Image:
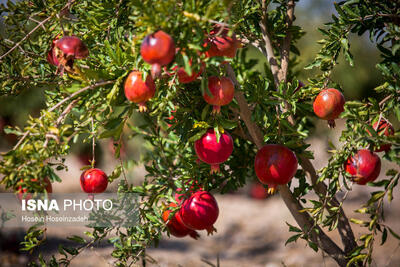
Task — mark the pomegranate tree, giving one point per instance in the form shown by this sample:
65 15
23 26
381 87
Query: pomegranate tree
157 49
328 105
24 192
364 166
184 77
175 225
139 91
213 151
275 165
200 211
222 91
93 181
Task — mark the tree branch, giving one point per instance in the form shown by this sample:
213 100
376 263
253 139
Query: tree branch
273 63
344 228
286 43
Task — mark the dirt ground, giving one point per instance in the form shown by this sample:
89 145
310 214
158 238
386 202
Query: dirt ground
250 232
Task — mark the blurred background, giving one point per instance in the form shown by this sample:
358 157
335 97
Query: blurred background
251 227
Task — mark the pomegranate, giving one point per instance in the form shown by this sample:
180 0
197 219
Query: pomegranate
25 193
364 166
93 181
275 165
386 129
200 211
138 91
69 48
222 90
183 76
157 49
257 191
51 55
221 45
175 225
212 152
328 105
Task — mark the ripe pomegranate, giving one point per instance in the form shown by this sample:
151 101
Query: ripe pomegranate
51 55
183 76
385 128
257 191
25 193
200 211
328 105
212 152
93 181
138 91
69 48
275 165
157 49
175 225
364 166
221 45
222 90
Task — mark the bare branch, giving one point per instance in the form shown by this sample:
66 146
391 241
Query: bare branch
287 42
268 44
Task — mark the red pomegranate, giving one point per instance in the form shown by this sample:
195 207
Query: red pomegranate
51 55
257 191
157 49
200 211
385 128
364 166
275 165
328 105
69 48
212 152
175 225
93 181
221 44
222 90
184 77
138 91
24 193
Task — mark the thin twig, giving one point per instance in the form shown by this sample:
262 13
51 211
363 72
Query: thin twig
99 84
268 44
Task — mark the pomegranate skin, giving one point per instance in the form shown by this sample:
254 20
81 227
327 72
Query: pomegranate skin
72 46
386 129
328 105
176 226
275 165
138 91
183 76
211 152
222 90
93 181
158 49
364 166
200 211
222 45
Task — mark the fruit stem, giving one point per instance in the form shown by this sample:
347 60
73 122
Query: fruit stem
211 230
142 107
216 110
271 189
215 168
331 123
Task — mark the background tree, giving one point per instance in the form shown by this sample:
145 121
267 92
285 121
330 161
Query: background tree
86 100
